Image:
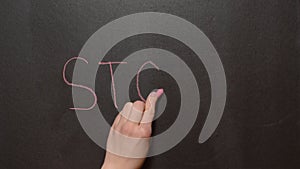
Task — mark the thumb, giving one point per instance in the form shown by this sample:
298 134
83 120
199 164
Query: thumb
150 106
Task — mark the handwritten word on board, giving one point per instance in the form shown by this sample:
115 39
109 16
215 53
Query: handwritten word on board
112 80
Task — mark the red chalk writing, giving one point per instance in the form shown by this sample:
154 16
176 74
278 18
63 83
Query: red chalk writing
112 80
138 76
77 85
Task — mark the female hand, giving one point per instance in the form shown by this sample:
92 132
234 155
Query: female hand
128 140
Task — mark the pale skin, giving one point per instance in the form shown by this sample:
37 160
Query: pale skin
131 129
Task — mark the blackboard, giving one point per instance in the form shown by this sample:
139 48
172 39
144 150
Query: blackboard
257 41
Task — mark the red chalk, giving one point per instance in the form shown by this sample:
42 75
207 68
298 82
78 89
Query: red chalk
159 92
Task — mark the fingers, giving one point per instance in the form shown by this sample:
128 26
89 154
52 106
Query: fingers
132 113
131 131
150 107
139 105
139 112
127 139
152 99
124 114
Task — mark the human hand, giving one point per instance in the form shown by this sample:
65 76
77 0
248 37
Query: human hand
128 140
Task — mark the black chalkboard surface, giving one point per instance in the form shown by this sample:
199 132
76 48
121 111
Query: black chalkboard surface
258 44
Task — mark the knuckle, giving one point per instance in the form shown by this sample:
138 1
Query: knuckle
126 129
146 132
128 104
138 102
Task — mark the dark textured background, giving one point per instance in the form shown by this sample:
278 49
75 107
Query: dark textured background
257 41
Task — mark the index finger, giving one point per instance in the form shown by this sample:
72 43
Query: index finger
150 106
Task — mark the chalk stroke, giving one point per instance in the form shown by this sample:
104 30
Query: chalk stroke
112 81
77 85
138 76
112 78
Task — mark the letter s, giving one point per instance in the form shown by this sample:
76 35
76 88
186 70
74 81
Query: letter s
77 85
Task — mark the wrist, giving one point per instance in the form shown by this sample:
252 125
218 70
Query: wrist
106 167
109 166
